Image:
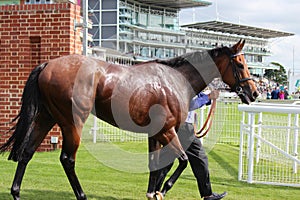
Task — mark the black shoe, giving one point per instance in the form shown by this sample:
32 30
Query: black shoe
216 196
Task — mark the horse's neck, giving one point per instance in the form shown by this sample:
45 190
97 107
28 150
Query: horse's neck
199 70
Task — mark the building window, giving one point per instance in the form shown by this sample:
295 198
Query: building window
109 44
38 1
109 17
109 32
260 59
109 4
156 21
143 18
94 4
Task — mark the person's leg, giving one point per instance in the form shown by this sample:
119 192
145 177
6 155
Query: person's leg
199 164
198 161
197 158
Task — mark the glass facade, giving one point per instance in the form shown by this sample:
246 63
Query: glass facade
131 27
39 1
149 32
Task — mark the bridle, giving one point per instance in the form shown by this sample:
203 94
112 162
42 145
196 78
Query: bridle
236 88
237 85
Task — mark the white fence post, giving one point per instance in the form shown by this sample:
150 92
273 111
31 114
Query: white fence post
258 145
287 148
242 126
251 147
296 142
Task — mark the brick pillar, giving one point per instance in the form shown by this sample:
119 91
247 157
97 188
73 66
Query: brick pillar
30 35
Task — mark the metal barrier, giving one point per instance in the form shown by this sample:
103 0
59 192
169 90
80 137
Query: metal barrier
225 127
269 143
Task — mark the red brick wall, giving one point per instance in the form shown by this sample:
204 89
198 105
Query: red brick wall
30 35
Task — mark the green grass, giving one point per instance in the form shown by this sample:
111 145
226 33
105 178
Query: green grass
45 179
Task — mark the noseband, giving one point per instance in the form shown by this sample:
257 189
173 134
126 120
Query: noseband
237 86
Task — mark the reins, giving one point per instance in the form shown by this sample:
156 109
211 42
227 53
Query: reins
208 121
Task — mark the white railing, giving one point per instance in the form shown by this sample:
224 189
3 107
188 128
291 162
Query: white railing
269 143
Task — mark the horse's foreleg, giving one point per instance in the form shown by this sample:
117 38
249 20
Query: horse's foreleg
175 148
71 140
170 182
162 176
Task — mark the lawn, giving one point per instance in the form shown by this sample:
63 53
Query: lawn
45 179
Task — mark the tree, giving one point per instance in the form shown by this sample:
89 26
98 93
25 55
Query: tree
279 76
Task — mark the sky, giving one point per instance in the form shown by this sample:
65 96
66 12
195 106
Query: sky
280 15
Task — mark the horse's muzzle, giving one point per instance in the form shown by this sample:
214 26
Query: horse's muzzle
248 98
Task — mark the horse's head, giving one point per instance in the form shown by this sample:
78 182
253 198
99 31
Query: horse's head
234 71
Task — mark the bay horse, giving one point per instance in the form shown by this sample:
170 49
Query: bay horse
151 97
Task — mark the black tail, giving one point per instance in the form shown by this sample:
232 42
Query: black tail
29 110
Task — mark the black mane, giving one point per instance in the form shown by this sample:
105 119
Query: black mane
198 56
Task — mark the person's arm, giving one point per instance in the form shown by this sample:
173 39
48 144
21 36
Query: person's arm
203 99
198 101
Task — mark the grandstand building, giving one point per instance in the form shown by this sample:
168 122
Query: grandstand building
141 30
149 29
211 34
144 29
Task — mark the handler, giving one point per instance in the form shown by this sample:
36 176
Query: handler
194 149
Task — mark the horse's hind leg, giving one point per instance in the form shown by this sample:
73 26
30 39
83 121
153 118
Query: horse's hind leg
71 141
42 126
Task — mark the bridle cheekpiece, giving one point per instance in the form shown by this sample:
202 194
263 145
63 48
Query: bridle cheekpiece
237 86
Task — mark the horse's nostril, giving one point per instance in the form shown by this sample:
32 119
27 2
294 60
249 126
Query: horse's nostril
255 94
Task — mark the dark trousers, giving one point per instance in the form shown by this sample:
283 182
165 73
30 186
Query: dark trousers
197 158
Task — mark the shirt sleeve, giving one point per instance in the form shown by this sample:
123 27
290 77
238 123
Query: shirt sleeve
198 101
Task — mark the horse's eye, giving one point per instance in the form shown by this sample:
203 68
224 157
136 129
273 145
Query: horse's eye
240 65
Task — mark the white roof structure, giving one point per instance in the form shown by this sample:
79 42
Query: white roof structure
238 29
176 3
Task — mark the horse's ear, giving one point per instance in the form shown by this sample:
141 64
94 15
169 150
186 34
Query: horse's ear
238 46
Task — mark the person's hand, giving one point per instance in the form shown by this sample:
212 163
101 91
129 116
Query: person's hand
214 94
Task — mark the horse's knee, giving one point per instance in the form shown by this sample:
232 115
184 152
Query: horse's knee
183 160
184 163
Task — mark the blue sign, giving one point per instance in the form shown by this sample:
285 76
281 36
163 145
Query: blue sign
297 84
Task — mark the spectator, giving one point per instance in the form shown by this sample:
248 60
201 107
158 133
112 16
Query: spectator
275 93
286 93
281 95
269 96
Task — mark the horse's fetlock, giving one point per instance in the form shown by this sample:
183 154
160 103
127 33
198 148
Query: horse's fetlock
169 184
15 191
82 196
64 158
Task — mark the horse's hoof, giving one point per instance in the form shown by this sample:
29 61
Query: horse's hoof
159 196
